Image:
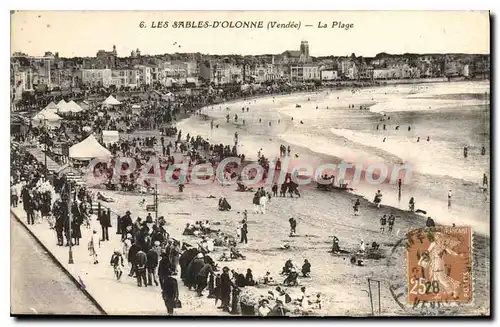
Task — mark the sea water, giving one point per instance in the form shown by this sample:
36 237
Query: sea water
342 124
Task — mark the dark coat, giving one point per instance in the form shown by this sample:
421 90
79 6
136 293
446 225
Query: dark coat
170 288
225 286
193 269
104 219
75 227
163 268
132 252
185 259
141 260
126 221
152 258
206 270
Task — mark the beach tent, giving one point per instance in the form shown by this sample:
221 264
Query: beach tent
89 149
110 137
74 107
46 117
51 106
63 107
111 101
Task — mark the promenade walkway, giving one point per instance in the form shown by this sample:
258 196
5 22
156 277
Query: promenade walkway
116 297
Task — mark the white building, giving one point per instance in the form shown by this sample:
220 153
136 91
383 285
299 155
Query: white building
329 75
144 74
96 77
311 73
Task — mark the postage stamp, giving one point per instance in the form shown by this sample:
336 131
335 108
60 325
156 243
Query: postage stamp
439 265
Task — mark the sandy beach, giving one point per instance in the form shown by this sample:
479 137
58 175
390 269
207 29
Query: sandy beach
320 214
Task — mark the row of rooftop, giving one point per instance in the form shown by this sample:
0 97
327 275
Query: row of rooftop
107 69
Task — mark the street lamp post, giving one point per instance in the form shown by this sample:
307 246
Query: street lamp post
70 259
46 141
45 138
156 202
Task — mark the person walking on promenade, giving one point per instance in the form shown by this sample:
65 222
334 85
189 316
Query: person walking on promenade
152 265
132 258
170 292
93 245
225 289
76 230
105 221
356 207
141 261
117 263
124 222
60 214
13 196
175 253
37 207
28 205
201 278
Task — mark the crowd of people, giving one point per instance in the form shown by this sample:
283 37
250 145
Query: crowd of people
151 255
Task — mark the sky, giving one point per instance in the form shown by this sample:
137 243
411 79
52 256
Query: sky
82 33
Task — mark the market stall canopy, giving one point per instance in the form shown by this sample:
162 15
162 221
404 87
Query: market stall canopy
74 107
63 107
111 101
110 137
51 106
89 149
46 114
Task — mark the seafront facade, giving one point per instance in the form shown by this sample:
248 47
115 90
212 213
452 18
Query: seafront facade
170 72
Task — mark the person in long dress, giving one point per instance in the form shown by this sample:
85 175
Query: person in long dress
434 264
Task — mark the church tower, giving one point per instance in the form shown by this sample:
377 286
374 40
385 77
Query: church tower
304 49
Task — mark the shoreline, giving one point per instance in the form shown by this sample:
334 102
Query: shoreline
190 125
481 252
343 85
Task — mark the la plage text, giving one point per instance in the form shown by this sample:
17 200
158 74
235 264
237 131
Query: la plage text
336 25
